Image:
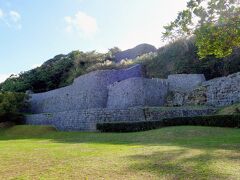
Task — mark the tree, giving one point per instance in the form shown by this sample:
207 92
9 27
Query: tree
214 23
11 106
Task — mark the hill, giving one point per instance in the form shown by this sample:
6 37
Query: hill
174 58
134 52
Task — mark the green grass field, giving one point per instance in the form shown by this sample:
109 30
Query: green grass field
28 152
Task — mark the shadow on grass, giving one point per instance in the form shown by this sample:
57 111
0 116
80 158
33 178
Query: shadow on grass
181 164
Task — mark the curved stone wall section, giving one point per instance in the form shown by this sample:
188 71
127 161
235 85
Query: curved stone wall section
135 92
185 82
87 91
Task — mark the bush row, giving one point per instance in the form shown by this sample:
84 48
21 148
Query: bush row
232 121
16 118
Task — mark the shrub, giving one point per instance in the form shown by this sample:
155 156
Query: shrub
233 109
232 121
11 106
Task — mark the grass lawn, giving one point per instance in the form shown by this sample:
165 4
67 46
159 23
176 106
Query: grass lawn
28 152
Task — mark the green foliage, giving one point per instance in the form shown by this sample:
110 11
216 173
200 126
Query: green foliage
232 121
55 73
181 57
11 106
233 109
215 23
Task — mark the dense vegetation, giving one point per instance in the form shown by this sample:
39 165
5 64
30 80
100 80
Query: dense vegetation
181 57
11 107
214 23
178 57
55 73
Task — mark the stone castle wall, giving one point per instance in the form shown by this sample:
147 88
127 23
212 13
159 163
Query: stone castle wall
223 91
86 120
135 92
123 95
88 91
216 92
111 89
185 82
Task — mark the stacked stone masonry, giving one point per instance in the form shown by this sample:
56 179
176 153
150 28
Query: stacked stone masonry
185 82
88 91
123 95
86 120
217 92
137 92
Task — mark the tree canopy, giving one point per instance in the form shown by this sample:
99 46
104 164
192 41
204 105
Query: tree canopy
214 23
11 106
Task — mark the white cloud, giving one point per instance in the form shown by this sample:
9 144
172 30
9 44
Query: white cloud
3 77
15 16
12 19
81 23
1 13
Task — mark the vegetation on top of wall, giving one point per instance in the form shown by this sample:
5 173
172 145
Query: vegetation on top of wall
181 57
57 72
178 57
230 110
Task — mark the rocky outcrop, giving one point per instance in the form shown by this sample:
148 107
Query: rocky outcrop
134 52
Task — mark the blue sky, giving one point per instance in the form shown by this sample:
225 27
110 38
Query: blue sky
33 31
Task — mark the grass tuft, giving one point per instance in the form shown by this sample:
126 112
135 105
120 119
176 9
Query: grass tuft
230 110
